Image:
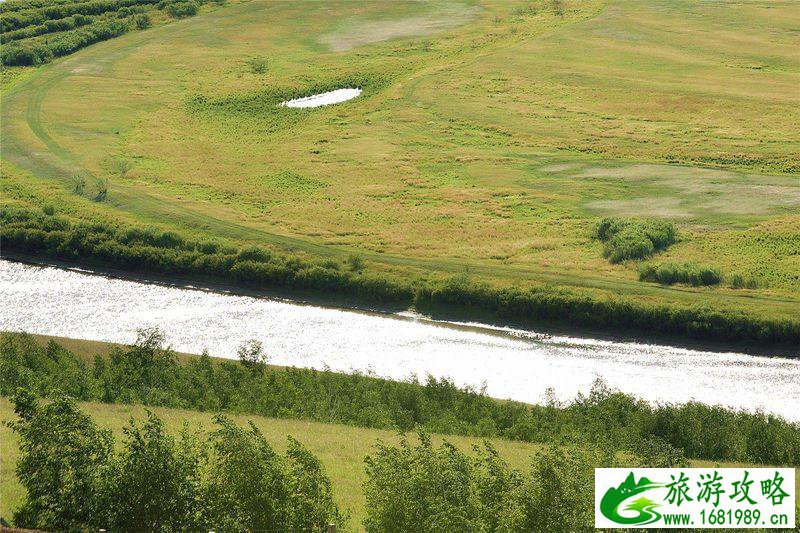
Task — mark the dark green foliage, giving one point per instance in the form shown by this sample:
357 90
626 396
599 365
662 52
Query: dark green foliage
154 483
423 488
545 304
634 238
26 28
142 21
258 65
181 9
671 273
629 243
148 374
233 481
740 282
152 250
256 489
43 370
156 251
49 26
62 454
36 52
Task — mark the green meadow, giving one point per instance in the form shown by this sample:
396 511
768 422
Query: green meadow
490 137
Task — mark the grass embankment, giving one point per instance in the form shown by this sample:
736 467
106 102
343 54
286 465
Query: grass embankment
519 165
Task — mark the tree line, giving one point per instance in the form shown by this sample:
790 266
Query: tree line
147 373
27 38
78 477
152 250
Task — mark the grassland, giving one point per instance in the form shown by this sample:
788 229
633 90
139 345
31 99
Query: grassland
489 139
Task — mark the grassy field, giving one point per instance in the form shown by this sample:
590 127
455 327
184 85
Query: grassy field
489 138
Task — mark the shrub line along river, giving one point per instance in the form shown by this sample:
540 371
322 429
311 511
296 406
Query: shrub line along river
511 363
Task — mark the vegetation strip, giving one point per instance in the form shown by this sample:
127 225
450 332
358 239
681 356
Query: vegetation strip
231 478
148 374
144 249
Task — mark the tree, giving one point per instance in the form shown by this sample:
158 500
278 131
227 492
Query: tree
251 356
102 189
154 483
62 454
78 183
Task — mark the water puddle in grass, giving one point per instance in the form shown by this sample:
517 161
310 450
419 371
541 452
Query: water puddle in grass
328 98
512 363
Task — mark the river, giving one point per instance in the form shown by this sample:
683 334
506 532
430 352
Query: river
510 363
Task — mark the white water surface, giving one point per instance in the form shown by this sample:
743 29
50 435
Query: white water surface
328 98
511 363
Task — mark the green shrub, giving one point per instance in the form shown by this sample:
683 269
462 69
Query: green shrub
154 483
142 21
182 9
671 273
258 65
629 243
634 238
423 488
46 30
232 481
152 250
255 489
62 454
739 281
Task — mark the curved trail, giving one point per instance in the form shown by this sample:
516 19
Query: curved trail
51 160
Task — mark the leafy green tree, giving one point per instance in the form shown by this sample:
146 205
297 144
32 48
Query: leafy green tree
253 488
154 484
252 357
420 488
62 456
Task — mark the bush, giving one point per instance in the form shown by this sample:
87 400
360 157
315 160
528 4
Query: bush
155 251
154 483
182 9
142 21
62 454
689 273
629 243
255 489
258 65
422 488
26 31
634 238
741 282
233 481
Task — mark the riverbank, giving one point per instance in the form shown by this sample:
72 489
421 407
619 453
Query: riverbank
525 364
145 250
464 318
